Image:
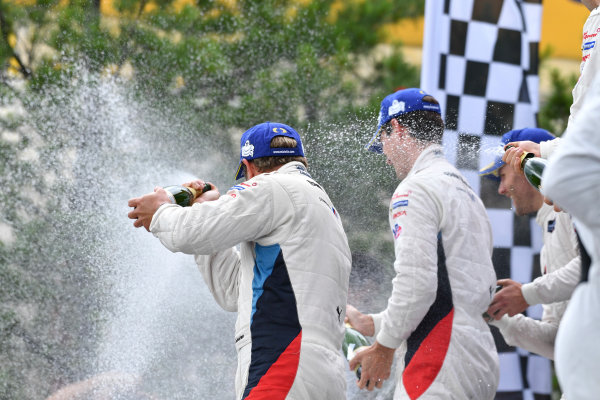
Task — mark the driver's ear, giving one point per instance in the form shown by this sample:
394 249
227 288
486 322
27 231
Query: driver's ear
250 168
396 127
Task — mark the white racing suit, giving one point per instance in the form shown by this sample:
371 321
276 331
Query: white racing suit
560 248
590 62
560 262
572 180
444 282
548 147
288 282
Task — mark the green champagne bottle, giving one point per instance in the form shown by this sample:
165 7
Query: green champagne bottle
353 342
183 195
532 167
487 317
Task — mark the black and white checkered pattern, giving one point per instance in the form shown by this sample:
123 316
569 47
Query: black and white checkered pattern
480 61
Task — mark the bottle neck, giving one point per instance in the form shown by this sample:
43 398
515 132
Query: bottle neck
194 192
524 158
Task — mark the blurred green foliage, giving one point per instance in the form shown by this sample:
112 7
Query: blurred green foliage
555 109
219 65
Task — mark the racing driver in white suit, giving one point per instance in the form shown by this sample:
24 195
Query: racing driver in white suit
572 180
444 274
590 61
289 280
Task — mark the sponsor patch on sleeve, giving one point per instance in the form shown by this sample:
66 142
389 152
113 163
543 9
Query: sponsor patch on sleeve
243 186
400 203
551 226
398 214
401 195
400 199
397 231
239 187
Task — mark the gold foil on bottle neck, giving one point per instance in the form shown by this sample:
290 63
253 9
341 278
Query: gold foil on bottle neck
194 192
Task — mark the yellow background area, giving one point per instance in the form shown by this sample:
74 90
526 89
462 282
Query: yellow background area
562 27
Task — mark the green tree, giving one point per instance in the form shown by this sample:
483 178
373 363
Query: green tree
555 110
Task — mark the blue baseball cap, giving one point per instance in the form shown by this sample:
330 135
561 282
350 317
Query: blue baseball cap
256 143
398 103
536 135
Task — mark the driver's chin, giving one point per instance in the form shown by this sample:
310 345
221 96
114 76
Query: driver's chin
518 208
401 174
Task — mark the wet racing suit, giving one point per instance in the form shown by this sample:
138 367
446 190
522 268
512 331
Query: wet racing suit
288 281
559 250
444 282
571 180
590 62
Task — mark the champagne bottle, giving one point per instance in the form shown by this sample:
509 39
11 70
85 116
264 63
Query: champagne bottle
183 195
533 170
532 167
353 342
487 317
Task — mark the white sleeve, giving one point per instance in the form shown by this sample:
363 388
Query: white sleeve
414 287
548 147
221 275
585 81
377 318
240 215
210 231
572 177
530 334
555 286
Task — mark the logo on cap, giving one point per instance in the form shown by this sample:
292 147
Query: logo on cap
396 107
279 130
248 149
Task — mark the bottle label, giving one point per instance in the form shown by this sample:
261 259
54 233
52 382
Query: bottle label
193 192
171 197
353 349
524 157
350 353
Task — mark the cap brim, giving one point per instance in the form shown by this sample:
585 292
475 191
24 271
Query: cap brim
240 172
374 144
492 170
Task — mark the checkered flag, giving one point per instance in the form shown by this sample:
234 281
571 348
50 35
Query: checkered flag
480 61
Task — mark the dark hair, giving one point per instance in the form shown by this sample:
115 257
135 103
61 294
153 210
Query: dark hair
425 126
265 164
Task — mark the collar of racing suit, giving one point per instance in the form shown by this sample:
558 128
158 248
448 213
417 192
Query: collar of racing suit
292 166
543 213
431 153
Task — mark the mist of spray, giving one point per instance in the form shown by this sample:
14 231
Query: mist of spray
94 146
